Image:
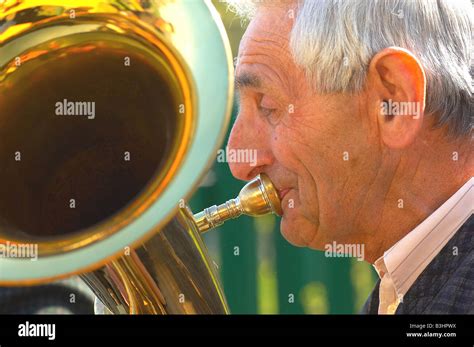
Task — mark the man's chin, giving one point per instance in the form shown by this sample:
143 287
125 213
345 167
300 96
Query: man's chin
293 232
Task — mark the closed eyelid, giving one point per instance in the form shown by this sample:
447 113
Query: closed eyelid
268 102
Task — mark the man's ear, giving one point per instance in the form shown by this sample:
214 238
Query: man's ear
398 90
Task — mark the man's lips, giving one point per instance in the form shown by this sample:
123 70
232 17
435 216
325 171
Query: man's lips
282 193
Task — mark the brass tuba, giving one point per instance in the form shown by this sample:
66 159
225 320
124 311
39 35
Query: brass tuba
111 111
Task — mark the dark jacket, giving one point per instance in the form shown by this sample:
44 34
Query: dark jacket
447 283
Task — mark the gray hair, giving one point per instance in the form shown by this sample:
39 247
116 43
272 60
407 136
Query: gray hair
334 41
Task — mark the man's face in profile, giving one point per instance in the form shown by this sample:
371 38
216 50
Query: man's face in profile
319 150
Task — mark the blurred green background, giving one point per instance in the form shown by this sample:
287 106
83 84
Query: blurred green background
260 271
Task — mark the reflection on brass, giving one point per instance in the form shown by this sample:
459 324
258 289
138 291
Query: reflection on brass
102 163
76 176
169 273
256 198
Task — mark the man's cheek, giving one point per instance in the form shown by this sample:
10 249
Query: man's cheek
304 200
290 201
292 205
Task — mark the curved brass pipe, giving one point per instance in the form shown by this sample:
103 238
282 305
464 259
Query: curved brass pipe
142 283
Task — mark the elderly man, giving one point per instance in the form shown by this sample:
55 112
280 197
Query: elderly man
361 114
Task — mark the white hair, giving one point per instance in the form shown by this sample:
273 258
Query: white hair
334 41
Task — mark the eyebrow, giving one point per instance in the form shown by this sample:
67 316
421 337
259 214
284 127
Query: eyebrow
247 79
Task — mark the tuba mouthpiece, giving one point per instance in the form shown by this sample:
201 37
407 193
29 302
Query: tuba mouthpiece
257 197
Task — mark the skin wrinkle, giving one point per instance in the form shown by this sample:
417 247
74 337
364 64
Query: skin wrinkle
266 80
360 205
308 171
278 44
303 240
292 127
416 169
265 77
270 52
390 158
384 196
280 54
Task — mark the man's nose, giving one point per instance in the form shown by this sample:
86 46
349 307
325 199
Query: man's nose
248 151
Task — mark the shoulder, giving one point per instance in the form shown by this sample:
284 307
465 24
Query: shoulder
447 283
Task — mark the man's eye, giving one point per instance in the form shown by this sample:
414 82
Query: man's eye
266 106
266 112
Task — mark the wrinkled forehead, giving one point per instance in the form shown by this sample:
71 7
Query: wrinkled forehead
265 63
269 29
